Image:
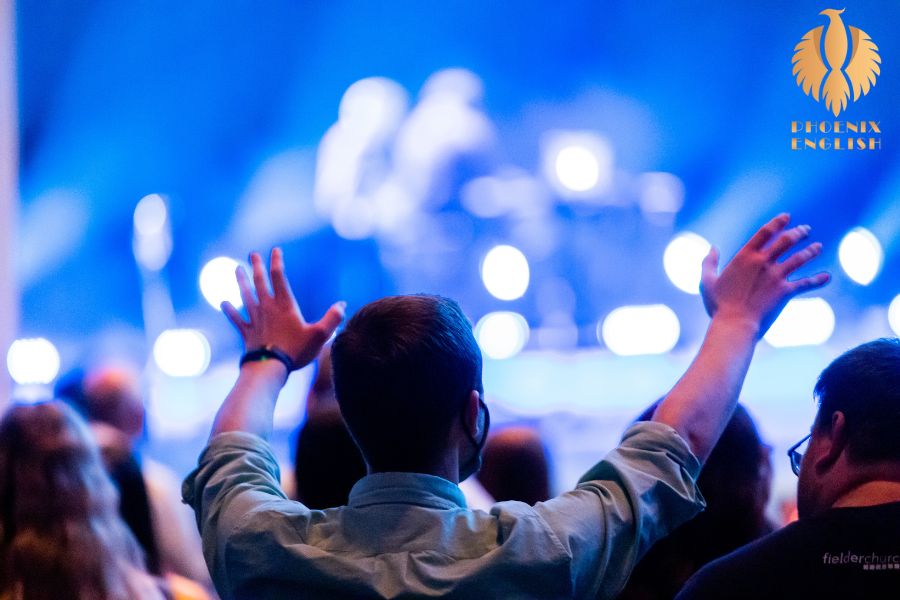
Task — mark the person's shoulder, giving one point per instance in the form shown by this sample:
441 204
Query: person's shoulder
749 569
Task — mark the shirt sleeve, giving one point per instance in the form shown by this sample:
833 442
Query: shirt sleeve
237 475
638 493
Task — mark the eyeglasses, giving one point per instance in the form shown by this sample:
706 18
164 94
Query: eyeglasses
795 453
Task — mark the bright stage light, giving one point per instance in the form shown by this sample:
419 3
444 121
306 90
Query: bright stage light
150 215
152 243
32 361
578 164
577 168
633 330
860 255
894 314
504 271
803 322
501 334
683 261
218 282
181 352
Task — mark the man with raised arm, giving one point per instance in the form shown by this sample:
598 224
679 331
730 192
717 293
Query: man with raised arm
407 374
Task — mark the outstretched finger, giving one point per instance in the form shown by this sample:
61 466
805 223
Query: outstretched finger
768 231
234 316
787 240
259 276
280 284
800 258
246 291
807 284
335 315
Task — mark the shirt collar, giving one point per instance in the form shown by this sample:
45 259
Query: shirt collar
417 489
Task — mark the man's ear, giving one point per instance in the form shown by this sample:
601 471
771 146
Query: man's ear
471 412
833 443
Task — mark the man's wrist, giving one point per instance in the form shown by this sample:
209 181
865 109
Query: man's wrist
269 352
740 323
271 370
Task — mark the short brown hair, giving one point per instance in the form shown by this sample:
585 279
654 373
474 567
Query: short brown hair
403 368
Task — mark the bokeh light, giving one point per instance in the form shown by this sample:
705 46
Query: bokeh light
577 168
803 322
634 330
181 352
32 361
218 282
860 255
683 260
505 272
150 215
578 164
894 314
501 334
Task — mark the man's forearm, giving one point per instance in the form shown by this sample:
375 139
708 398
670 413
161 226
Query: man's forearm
701 403
250 405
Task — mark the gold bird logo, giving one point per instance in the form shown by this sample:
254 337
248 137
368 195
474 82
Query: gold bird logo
851 61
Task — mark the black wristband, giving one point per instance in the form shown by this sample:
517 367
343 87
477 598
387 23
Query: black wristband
266 353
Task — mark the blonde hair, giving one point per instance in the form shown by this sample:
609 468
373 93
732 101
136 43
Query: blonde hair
60 532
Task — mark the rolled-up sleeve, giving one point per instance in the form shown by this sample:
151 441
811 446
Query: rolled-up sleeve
237 474
637 494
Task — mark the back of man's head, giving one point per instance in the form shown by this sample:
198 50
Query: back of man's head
403 369
864 384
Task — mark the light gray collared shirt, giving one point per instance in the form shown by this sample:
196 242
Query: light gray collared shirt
409 535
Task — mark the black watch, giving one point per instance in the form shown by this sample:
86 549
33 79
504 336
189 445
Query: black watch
269 352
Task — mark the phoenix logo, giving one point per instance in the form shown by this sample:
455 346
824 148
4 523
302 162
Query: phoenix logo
850 61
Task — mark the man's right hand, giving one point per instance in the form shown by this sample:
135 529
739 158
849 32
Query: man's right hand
743 300
754 286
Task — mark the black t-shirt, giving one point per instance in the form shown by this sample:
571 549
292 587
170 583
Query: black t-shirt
842 553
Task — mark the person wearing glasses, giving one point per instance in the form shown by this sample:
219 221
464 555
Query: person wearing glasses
407 376
846 543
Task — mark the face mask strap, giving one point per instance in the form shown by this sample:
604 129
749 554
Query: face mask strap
479 444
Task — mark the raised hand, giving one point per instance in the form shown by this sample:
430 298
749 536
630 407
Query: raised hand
275 318
754 285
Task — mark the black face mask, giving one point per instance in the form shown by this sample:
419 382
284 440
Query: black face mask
472 465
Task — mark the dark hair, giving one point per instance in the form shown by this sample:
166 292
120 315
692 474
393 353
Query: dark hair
515 466
864 384
326 463
735 483
403 368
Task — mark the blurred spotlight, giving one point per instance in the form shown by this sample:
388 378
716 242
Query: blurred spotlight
181 352
577 168
353 154
150 215
578 164
504 271
683 260
509 191
461 83
660 195
372 108
633 330
32 361
861 255
894 314
447 125
152 242
803 322
501 334
218 282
